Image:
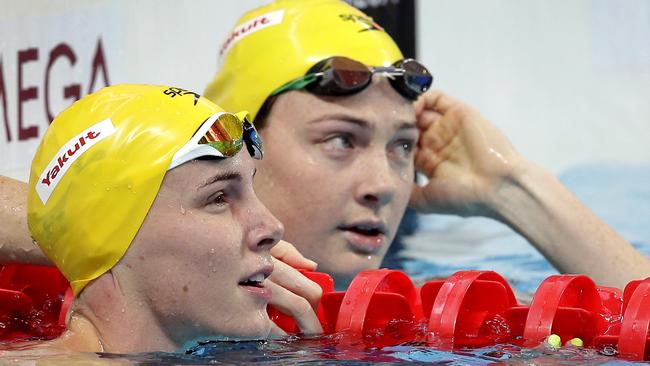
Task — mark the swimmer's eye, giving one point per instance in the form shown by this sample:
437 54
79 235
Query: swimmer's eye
403 149
339 142
217 199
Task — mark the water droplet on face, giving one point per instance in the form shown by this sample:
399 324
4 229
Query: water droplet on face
129 187
212 250
182 210
123 310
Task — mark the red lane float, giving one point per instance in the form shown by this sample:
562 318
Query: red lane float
569 306
34 301
631 336
478 308
468 309
383 307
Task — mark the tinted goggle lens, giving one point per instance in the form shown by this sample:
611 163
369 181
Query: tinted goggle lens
253 140
415 78
341 75
348 74
226 135
221 135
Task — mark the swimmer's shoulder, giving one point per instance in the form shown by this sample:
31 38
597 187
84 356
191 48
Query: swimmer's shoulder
80 338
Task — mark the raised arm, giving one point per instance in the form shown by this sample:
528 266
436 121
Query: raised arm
15 242
474 170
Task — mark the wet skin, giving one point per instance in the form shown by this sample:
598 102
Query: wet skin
188 269
338 173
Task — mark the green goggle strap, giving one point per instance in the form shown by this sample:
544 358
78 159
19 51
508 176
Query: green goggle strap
297 84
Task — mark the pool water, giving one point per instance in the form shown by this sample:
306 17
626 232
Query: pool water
442 246
295 351
619 195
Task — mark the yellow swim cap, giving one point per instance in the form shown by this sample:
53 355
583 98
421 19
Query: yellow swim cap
98 169
279 42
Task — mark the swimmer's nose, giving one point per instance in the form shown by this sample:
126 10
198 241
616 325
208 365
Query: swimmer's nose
267 230
377 189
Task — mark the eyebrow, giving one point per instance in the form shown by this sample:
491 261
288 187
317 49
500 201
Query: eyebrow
407 126
219 178
360 122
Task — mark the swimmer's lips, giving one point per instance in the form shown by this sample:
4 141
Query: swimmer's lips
254 284
365 237
257 279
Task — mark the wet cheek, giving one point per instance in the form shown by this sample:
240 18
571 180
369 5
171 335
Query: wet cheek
407 175
222 260
293 189
404 176
208 245
404 186
319 201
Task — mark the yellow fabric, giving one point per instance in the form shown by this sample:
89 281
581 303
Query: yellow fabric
262 53
88 222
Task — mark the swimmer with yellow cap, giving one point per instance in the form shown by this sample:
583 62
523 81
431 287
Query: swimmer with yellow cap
332 96
142 196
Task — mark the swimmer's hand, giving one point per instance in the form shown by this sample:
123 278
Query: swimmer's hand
465 158
474 170
293 293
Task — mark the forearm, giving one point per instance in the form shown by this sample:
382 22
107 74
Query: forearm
535 204
15 241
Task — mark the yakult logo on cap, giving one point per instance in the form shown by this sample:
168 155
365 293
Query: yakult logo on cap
67 155
250 27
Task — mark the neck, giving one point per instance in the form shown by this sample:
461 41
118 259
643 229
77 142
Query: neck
105 319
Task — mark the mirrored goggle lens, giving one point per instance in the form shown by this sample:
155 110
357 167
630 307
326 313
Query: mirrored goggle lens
339 75
253 141
350 74
225 135
416 76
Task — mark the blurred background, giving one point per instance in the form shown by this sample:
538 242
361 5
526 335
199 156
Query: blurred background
567 81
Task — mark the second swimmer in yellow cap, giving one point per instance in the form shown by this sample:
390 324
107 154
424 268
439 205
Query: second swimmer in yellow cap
332 95
143 197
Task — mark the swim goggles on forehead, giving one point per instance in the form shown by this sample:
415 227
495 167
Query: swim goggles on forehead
222 135
341 76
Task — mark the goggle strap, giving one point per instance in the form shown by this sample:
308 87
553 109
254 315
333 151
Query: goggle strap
297 84
196 152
